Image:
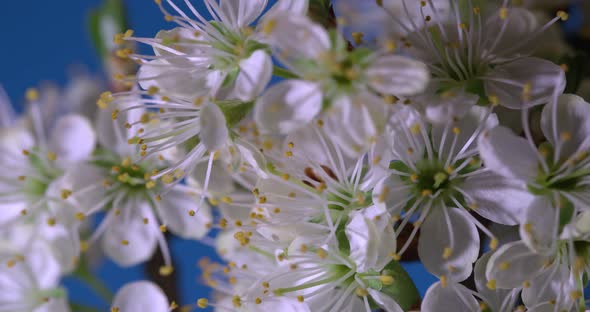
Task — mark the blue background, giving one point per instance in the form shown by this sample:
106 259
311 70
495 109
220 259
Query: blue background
41 40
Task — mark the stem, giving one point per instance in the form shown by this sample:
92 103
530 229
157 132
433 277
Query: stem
283 73
97 286
82 308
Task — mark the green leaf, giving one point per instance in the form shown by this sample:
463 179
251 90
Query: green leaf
403 290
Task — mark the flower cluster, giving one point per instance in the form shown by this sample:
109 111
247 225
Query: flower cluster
315 153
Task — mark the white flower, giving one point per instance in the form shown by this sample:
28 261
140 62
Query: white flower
139 208
37 164
469 49
556 171
140 296
202 57
435 175
312 184
328 74
29 283
328 279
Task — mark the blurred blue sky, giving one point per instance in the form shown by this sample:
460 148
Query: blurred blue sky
41 41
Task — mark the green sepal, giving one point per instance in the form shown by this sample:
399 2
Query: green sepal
403 290
234 111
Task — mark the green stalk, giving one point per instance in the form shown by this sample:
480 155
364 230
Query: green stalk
283 73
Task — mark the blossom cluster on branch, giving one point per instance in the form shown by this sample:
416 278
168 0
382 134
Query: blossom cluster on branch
301 139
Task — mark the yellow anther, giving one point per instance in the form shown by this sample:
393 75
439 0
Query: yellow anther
236 301
361 292
528 227
322 253
493 243
395 256
503 266
84 246
503 13
565 136
358 37
576 295
443 281
191 213
456 130
526 284
166 270
65 193
51 156
153 90
386 279
426 192
168 18
563 15
447 253
269 26
491 284
262 199
415 129
258 300
51 221
80 216
32 94
300 298
115 114
124 242
383 195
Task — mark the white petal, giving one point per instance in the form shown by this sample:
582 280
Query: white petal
493 298
398 75
7 115
371 238
468 127
288 106
281 304
508 155
141 296
240 13
436 235
391 192
571 115
129 227
295 7
542 77
255 73
453 297
519 23
13 140
220 180
113 134
443 110
513 264
54 305
554 283
384 301
496 198
214 133
184 82
174 210
355 121
538 229
73 138
297 37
